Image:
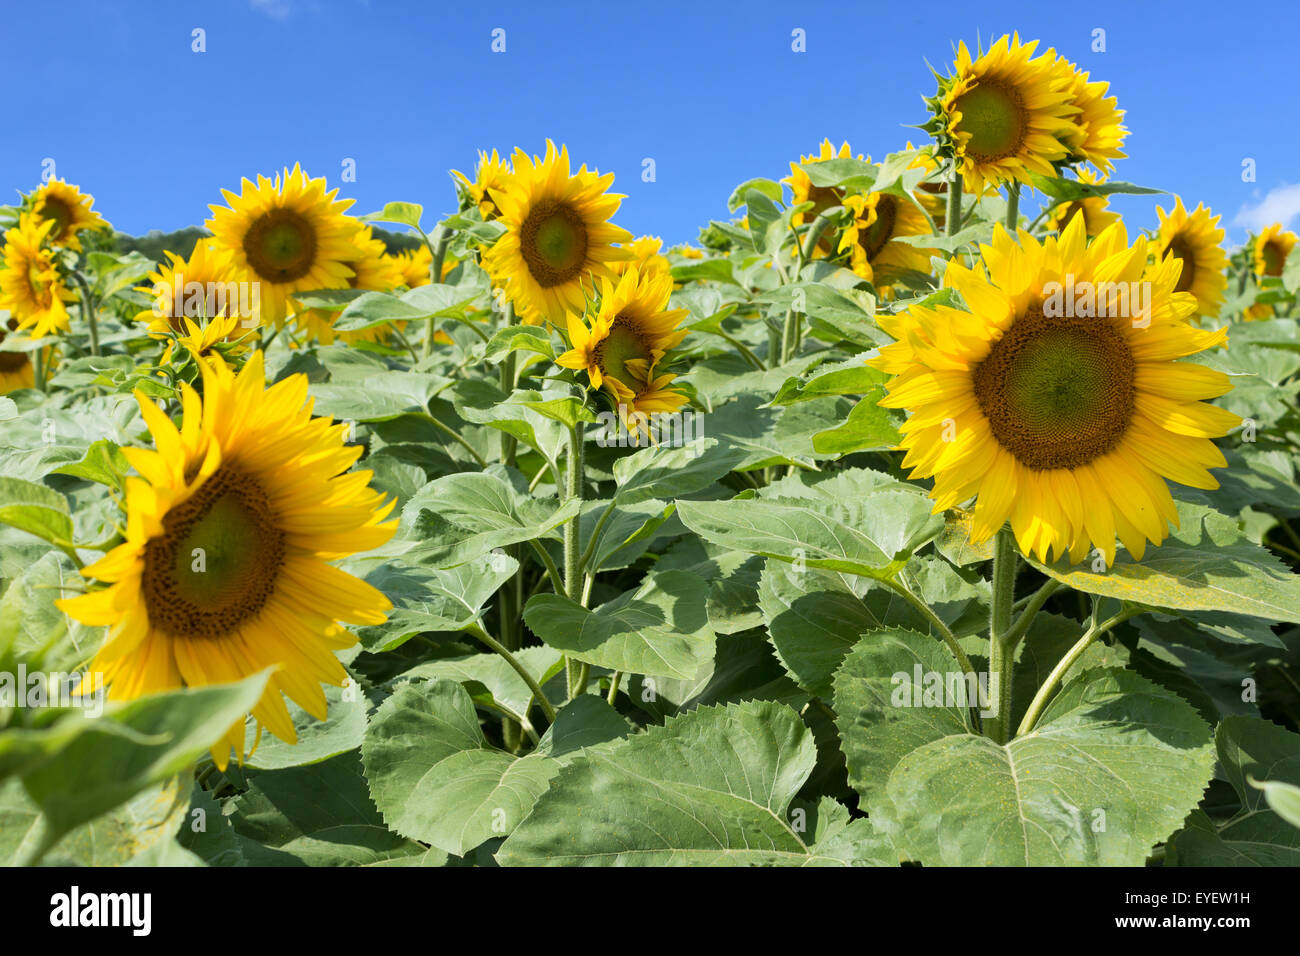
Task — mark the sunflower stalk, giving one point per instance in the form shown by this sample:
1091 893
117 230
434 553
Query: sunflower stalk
793 330
952 218
1002 649
439 252
574 670
1013 207
88 309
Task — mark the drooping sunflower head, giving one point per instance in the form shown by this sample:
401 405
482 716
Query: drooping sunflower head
822 197
1096 215
1097 131
287 235
229 529
1272 247
69 209
1194 239
645 257
491 174
871 240
1003 114
1055 399
31 286
16 369
558 235
630 332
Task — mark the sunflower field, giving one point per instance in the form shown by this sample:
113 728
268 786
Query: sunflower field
923 512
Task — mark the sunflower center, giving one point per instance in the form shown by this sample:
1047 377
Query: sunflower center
281 246
215 564
874 237
1274 259
995 119
57 210
1183 252
1057 392
553 242
623 344
11 361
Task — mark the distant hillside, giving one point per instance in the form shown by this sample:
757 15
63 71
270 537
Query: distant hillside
155 242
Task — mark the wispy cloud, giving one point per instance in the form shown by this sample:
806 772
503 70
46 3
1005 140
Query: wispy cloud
1280 204
275 9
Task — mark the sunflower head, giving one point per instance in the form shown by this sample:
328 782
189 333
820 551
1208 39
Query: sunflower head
871 239
645 257
1272 247
286 235
1096 215
1097 132
631 331
822 197
201 288
1055 398
645 397
229 528
1194 240
558 237
16 370
69 209
490 175
1002 114
31 285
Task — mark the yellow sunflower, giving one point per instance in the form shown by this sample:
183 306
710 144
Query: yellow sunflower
201 287
1097 132
879 219
645 257
643 398
1271 250
1003 114
557 235
631 331
30 285
822 197
69 209
689 252
416 263
1064 420
1194 239
372 269
16 369
288 235
1096 215
229 530
490 175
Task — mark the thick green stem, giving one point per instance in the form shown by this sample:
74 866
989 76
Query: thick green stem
572 540
1002 652
439 252
1013 207
793 330
88 311
519 669
1033 605
509 444
38 368
952 219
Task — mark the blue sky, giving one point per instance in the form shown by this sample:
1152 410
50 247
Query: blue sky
112 92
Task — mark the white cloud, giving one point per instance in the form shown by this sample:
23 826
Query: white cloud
275 9
1281 204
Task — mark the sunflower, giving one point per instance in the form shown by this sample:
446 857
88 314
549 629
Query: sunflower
689 252
1096 215
1193 239
1064 420
645 257
287 235
223 572
630 333
1271 250
875 254
416 264
822 197
202 339
16 369
491 174
645 397
1003 115
1097 132
30 285
557 235
372 269
69 209
201 287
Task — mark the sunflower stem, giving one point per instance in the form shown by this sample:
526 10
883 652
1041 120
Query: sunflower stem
519 669
38 368
439 252
88 311
572 556
1002 650
455 435
1013 207
509 366
952 218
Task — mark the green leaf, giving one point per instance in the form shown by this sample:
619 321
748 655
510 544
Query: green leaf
318 740
317 815
35 509
845 378
706 270
670 472
1206 565
490 680
103 463
404 213
96 772
518 338
433 599
766 227
1113 767
436 779
844 173
659 629
868 428
710 788
769 188
1255 755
